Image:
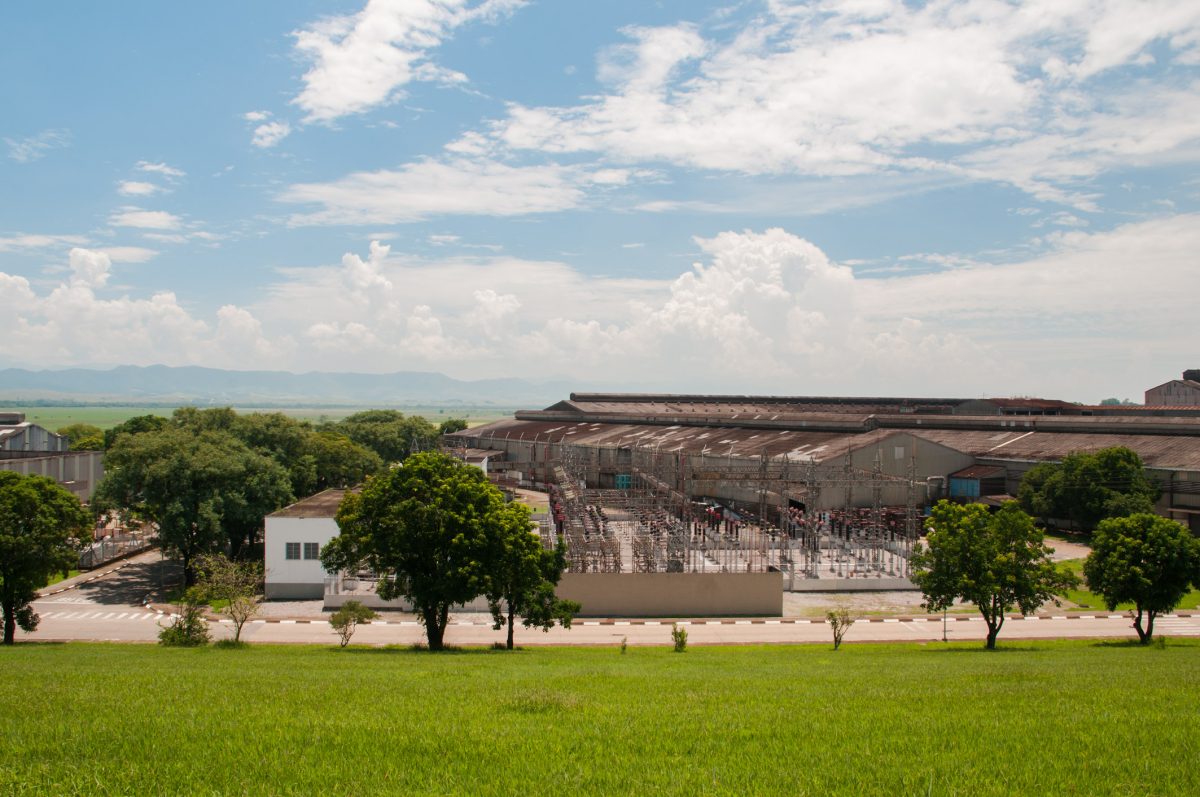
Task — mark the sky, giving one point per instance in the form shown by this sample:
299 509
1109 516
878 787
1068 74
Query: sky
851 197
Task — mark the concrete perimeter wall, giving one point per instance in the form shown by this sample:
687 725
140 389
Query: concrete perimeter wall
674 594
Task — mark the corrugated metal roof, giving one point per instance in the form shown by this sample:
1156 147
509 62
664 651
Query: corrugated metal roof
1180 452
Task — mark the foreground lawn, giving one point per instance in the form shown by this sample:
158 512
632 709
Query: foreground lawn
1047 718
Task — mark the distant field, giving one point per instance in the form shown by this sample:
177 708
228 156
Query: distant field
1047 718
106 417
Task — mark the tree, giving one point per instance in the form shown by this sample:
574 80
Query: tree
522 574
388 433
237 582
135 425
996 561
83 436
348 618
1145 560
42 528
201 490
451 425
339 461
423 529
1086 488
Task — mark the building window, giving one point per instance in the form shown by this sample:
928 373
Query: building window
312 550
291 550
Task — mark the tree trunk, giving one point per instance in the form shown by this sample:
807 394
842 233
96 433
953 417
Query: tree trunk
510 626
435 627
994 623
1143 634
10 624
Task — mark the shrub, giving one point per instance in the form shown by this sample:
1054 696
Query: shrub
347 618
840 621
679 637
188 629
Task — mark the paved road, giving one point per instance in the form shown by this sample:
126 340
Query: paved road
109 609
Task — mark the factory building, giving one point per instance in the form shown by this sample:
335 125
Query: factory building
722 440
29 449
1183 392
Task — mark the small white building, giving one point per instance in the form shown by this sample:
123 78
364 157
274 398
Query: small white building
293 539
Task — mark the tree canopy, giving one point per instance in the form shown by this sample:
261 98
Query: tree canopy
1085 488
995 561
42 528
522 574
437 533
83 436
389 433
1145 560
203 491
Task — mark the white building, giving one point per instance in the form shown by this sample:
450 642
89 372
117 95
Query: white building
293 539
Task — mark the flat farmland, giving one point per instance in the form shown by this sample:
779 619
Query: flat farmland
108 416
1045 718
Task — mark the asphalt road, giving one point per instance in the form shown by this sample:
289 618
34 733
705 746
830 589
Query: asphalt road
109 608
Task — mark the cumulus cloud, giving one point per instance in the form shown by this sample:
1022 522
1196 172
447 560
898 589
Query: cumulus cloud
363 60
75 323
269 134
761 311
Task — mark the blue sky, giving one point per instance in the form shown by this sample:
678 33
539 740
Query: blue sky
851 197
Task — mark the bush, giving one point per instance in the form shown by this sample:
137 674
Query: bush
188 629
679 637
840 621
347 618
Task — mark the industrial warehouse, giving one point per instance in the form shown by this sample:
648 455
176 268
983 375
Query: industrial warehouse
820 493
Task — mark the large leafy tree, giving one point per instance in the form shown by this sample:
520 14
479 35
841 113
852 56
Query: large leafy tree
1145 560
83 436
522 574
388 433
201 490
1085 488
42 527
424 529
135 425
995 561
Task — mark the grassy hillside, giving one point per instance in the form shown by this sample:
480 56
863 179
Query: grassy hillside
1039 719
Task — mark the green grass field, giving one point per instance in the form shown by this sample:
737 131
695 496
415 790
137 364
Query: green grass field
1079 718
106 417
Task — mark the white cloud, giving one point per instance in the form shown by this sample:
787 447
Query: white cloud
256 116
160 168
20 242
270 133
432 188
72 324
145 219
761 312
129 254
137 188
31 148
364 60
979 90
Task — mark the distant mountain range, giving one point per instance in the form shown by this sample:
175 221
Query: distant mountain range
165 384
